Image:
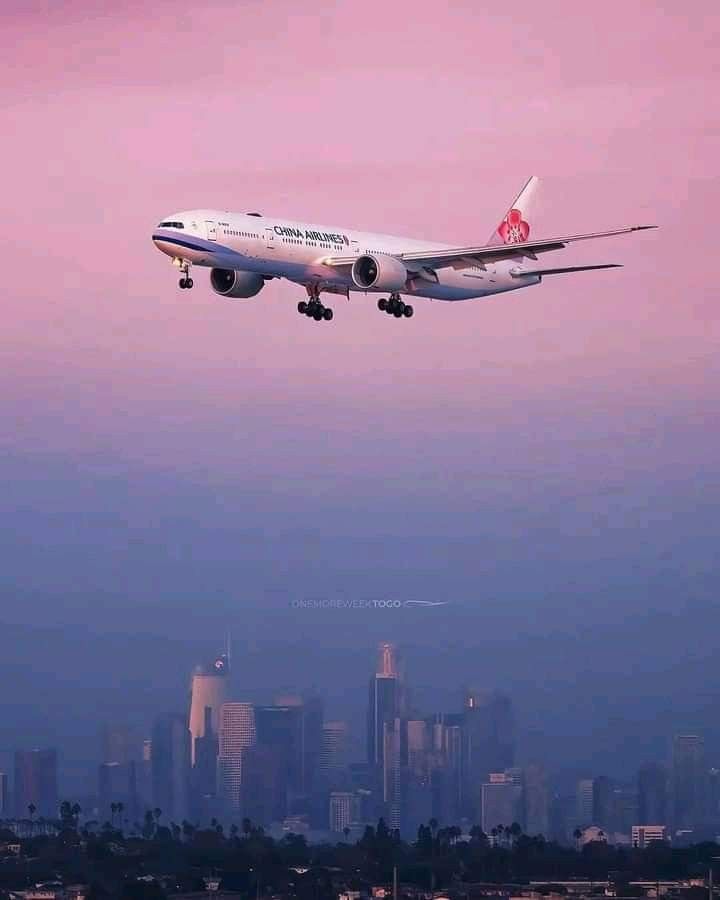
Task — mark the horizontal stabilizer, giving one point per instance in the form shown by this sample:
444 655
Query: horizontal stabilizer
564 269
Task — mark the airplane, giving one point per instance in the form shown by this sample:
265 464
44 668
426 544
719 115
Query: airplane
245 250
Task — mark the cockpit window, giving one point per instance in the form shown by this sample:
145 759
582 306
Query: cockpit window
171 225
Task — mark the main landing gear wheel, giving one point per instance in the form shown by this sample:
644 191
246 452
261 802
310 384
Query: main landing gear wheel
315 310
394 306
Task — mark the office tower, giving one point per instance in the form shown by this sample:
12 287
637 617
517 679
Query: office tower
584 803
445 777
341 810
4 797
392 772
171 766
603 805
624 810
501 802
536 801
36 782
419 747
652 794
689 781
264 787
119 743
313 715
333 750
278 730
118 771
385 703
204 775
144 780
117 783
208 691
237 733
488 743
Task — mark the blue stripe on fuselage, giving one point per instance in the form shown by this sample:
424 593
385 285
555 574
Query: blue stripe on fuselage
187 244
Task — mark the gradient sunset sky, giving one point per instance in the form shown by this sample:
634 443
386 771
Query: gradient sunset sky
174 462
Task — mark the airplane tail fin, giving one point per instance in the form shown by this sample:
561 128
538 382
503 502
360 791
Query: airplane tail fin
516 224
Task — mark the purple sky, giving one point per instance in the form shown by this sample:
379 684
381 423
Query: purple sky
519 453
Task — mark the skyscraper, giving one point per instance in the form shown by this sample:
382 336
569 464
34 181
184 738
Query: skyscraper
171 765
208 691
237 733
652 782
536 801
488 743
36 782
118 771
584 803
333 750
689 781
384 702
501 802
341 810
4 801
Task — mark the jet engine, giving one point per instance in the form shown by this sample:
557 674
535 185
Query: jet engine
379 272
235 283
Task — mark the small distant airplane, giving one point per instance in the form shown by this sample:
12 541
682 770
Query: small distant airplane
244 250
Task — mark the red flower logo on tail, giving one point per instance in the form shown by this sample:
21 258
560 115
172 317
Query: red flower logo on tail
514 229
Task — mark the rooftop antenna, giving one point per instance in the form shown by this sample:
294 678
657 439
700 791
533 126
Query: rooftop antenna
227 647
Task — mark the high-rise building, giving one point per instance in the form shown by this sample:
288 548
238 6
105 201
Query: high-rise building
334 749
501 802
237 734
688 781
4 797
264 788
204 776
385 703
117 783
445 777
119 743
604 803
208 691
652 783
584 803
536 801
36 782
171 766
488 743
341 810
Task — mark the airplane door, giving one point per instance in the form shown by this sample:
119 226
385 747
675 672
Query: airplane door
269 238
211 229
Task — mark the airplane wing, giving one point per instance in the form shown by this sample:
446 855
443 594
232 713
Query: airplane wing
564 270
463 257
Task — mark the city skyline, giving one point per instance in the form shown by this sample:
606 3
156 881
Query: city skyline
285 761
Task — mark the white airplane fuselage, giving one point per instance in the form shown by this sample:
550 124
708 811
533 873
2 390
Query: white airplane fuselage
297 251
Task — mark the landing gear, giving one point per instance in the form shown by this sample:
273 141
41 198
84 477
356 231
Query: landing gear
394 306
184 266
313 308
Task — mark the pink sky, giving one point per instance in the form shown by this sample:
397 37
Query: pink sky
394 117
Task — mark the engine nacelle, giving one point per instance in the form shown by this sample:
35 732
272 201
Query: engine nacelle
235 283
379 272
